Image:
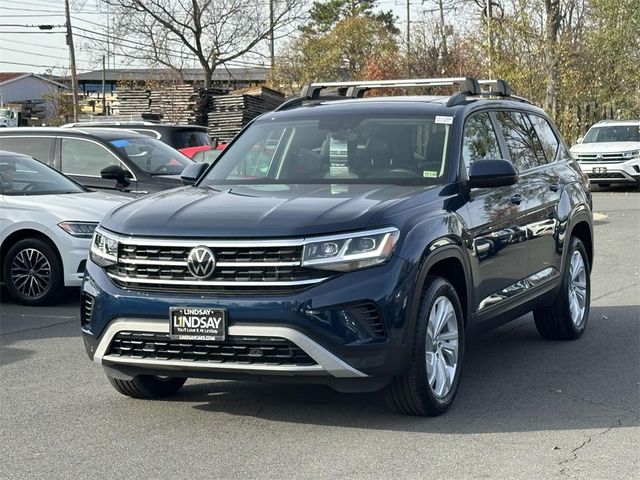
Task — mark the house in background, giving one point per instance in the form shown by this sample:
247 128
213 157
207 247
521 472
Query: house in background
36 97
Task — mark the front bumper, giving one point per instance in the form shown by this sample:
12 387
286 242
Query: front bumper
612 172
335 346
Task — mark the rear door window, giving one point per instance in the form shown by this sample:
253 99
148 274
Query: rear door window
479 141
547 138
37 147
82 157
522 142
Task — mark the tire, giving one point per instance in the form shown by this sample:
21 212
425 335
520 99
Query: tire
413 393
33 272
147 386
561 320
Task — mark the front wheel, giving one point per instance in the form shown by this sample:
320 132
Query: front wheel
33 273
147 386
566 318
431 384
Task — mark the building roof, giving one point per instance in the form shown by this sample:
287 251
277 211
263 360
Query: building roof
8 77
221 74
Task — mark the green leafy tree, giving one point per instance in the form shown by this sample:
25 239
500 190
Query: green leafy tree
325 16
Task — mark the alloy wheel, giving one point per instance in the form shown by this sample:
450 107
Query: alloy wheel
31 273
442 347
577 288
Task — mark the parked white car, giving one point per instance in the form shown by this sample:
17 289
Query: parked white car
610 153
46 225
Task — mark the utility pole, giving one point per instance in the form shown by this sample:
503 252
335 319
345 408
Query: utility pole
409 38
104 98
489 37
72 57
272 40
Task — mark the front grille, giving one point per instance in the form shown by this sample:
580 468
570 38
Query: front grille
368 314
596 157
235 349
86 309
606 175
253 268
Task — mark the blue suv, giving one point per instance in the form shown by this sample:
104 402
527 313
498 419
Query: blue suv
350 241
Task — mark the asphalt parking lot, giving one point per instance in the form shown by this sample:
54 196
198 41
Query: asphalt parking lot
527 408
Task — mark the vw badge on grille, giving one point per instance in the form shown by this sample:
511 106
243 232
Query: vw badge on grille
599 156
201 262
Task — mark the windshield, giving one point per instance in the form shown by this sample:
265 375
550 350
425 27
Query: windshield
613 133
190 138
347 149
26 176
151 155
5 113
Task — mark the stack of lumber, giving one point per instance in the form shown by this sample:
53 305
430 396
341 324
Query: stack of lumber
229 113
132 102
174 103
203 102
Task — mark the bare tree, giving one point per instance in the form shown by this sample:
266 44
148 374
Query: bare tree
210 33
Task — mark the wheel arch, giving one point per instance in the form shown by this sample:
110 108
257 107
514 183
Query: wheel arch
449 262
582 230
23 234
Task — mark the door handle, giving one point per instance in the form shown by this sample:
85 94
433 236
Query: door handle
554 187
517 198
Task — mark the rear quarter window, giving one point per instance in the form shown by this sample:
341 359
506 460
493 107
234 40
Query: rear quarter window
37 147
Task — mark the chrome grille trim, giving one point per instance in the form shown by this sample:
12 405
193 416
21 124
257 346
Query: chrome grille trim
152 281
175 263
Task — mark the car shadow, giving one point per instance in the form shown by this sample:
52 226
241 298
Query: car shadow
513 381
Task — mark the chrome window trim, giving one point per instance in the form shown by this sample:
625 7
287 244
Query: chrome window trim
327 362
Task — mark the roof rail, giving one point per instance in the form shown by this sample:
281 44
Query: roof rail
356 89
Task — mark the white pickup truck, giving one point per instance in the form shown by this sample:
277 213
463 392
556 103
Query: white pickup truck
8 117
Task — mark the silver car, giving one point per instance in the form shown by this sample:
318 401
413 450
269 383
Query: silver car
46 224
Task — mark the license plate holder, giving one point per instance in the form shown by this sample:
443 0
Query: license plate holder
600 170
198 323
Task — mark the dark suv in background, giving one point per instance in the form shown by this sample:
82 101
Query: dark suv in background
114 160
355 242
187 139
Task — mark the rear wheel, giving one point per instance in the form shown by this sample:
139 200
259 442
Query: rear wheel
431 384
147 386
33 273
567 317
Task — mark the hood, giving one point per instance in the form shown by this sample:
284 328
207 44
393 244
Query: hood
605 147
86 207
257 210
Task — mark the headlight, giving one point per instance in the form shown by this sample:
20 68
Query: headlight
79 229
104 249
350 251
628 155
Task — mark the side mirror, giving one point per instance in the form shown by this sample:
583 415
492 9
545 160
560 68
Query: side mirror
492 173
192 173
579 140
115 172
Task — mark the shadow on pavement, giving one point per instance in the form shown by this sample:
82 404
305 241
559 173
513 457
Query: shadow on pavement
513 381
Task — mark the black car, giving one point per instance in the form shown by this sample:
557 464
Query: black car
187 139
355 242
101 158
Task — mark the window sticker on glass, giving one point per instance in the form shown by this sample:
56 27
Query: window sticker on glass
429 174
338 157
119 143
444 120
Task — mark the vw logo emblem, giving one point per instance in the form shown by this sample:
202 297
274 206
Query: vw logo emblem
599 156
201 262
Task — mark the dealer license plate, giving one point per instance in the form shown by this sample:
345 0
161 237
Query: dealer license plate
197 323
600 170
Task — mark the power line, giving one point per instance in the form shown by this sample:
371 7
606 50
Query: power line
38 65
46 55
39 45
